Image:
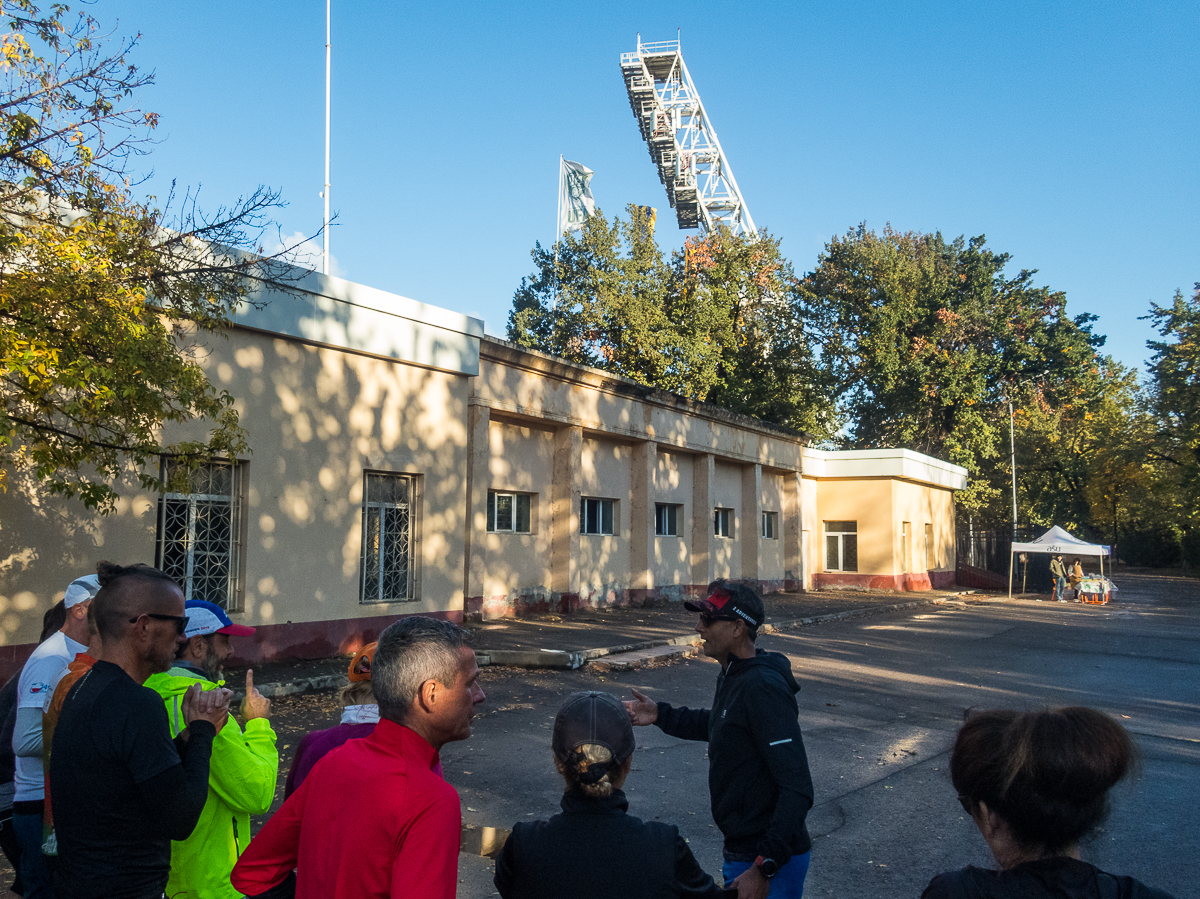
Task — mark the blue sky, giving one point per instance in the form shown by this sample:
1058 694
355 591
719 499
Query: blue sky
1069 134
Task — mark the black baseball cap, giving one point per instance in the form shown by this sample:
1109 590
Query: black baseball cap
731 602
596 719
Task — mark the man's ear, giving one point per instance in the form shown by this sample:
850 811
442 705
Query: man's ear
427 695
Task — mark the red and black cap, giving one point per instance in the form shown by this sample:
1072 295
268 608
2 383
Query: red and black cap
731 602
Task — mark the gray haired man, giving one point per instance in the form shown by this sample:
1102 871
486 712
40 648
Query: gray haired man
374 818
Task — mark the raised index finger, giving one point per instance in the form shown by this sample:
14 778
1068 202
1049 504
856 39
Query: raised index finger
249 681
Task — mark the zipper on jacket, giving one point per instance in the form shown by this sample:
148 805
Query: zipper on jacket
237 843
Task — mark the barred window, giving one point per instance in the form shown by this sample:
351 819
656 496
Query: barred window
387 538
198 539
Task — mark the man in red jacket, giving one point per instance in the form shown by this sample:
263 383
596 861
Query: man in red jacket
374 820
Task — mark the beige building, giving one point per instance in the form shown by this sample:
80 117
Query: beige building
404 463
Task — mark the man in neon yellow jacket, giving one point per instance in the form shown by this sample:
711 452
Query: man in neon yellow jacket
244 766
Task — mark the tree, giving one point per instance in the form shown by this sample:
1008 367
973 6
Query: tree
925 340
104 298
718 323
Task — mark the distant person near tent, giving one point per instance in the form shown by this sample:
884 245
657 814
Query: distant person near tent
1060 577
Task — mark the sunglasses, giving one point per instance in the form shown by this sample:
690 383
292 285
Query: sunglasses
707 620
180 620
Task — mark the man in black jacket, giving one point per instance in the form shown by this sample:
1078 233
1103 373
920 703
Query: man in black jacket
758 777
122 789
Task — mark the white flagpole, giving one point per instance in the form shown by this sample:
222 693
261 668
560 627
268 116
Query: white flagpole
557 225
558 209
325 192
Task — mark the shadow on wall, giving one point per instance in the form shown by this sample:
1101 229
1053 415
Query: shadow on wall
318 418
46 542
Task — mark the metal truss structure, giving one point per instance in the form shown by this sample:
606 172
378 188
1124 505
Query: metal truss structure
681 139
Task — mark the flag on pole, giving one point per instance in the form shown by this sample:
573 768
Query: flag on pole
575 200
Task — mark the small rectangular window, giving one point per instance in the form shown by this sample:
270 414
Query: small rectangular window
769 525
723 522
508 513
841 546
666 520
596 516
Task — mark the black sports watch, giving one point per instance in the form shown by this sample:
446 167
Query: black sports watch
768 866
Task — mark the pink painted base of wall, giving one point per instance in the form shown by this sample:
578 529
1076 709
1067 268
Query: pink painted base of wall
273 642
541 602
315 639
924 580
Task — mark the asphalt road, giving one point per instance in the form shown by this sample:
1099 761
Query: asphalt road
880 702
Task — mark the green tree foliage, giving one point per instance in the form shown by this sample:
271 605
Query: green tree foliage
1175 393
104 299
925 340
717 323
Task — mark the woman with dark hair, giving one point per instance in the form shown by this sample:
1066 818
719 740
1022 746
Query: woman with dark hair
1035 784
594 850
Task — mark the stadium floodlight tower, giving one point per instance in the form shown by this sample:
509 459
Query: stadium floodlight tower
682 141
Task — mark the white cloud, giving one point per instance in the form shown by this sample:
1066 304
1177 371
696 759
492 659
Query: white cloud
304 252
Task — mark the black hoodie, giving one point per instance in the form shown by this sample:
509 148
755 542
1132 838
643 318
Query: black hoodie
758 775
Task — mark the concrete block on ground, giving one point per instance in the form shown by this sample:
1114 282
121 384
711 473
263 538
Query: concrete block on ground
530 658
624 661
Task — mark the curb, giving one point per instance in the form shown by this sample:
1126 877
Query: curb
557 659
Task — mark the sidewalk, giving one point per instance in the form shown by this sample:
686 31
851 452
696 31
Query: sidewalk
570 641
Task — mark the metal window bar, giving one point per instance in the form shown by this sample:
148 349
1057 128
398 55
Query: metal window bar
199 538
387 524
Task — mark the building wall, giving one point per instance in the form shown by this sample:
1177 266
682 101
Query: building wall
317 418
881 507
604 564
727 494
672 564
771 551
612 439
333 385
519 457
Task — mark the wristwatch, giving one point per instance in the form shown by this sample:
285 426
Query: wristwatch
768 866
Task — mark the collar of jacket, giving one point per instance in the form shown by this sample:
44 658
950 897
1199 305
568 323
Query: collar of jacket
574 802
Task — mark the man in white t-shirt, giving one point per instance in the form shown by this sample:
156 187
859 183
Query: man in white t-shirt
34 692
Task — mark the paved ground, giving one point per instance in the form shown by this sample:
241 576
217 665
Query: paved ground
881 700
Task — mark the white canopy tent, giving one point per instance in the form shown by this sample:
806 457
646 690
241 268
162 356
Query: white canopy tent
1054 542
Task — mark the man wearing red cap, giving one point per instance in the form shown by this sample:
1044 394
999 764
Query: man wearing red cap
244 766
758 776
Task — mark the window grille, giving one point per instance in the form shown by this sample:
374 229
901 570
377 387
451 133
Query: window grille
387 539
198 535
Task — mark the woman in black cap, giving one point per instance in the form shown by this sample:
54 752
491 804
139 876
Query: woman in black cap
594 849
1035 784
